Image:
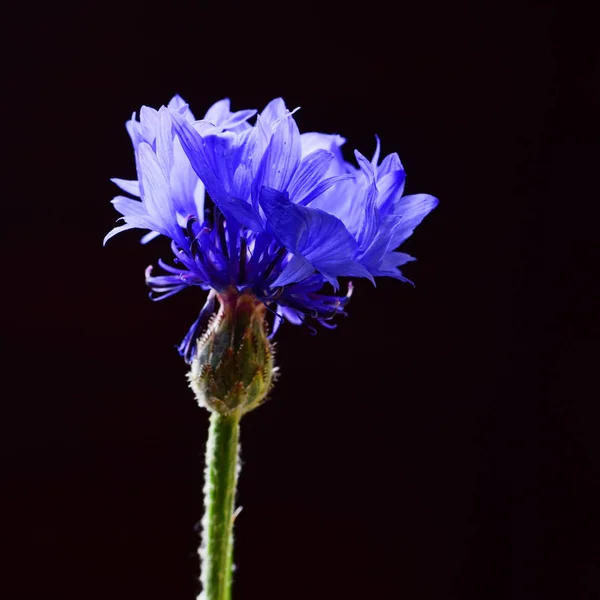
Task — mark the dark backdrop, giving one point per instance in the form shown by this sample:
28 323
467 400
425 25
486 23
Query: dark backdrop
442 443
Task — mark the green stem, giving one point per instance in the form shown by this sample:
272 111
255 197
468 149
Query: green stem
219 495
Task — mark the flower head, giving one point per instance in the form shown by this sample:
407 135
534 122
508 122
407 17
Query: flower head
263 210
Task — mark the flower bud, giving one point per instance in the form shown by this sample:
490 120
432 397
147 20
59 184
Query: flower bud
233 369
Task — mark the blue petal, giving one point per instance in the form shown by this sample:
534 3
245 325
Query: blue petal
276 322
243 213
391 188
311 170
273 111
195 148
149 237
249 150
312 141
134 129
389 164
220 153
164 140
316 235
156 190
296 270
322 187
413 210
292 315
370 220
131 187
365 166
280 160
397 259
218 112
116 230
129 207
179 105
372 255
132 222
198 151
376 154
390 182
149 122
188 346
389 265
187 190
237 118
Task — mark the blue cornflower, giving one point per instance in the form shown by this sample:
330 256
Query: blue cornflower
263 209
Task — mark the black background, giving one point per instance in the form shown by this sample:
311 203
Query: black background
442 443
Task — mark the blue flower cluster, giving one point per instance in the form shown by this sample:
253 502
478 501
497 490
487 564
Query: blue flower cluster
264 209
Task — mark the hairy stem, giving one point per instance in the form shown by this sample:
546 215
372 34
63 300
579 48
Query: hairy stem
219 495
